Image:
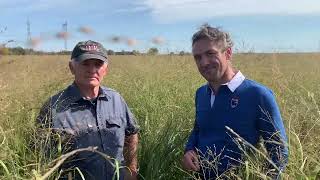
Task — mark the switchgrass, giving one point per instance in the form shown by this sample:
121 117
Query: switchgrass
160 92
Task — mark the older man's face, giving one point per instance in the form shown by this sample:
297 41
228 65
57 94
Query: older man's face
89 73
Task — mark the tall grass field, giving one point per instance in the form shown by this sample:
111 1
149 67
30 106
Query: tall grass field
160 92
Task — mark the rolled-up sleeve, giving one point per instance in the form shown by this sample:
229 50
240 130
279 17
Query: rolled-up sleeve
132 126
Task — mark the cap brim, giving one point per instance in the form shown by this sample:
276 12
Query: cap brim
84 57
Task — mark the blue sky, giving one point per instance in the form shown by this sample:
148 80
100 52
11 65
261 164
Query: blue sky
261 26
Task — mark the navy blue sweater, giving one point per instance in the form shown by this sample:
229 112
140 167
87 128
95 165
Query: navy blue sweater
250 111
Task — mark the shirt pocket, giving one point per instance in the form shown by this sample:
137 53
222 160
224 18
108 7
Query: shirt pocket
114 132
113 122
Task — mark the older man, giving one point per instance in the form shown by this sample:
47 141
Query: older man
89 114
231 111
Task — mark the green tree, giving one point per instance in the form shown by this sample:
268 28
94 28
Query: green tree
153 51
135 52
110 52
17 51
182 53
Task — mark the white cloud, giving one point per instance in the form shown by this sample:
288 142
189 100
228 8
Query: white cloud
180 10
35 5
71 6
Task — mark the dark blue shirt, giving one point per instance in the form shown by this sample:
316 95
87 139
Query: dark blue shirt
103 122
250 111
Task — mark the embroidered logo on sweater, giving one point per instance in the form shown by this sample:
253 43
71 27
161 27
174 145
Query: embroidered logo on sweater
234 102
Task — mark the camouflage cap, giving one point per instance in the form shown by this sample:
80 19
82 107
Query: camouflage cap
89 50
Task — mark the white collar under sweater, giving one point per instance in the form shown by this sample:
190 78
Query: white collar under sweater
233 84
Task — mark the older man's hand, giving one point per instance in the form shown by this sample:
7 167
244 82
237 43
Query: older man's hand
190 161
130 175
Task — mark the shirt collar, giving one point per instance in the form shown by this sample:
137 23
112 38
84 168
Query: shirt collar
74 93
103 92
233 84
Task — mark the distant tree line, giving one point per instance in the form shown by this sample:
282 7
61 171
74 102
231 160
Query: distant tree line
25 51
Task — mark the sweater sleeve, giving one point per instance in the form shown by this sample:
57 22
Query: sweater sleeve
272 131
194 136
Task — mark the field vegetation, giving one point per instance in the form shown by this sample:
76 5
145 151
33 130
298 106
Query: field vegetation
160 91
